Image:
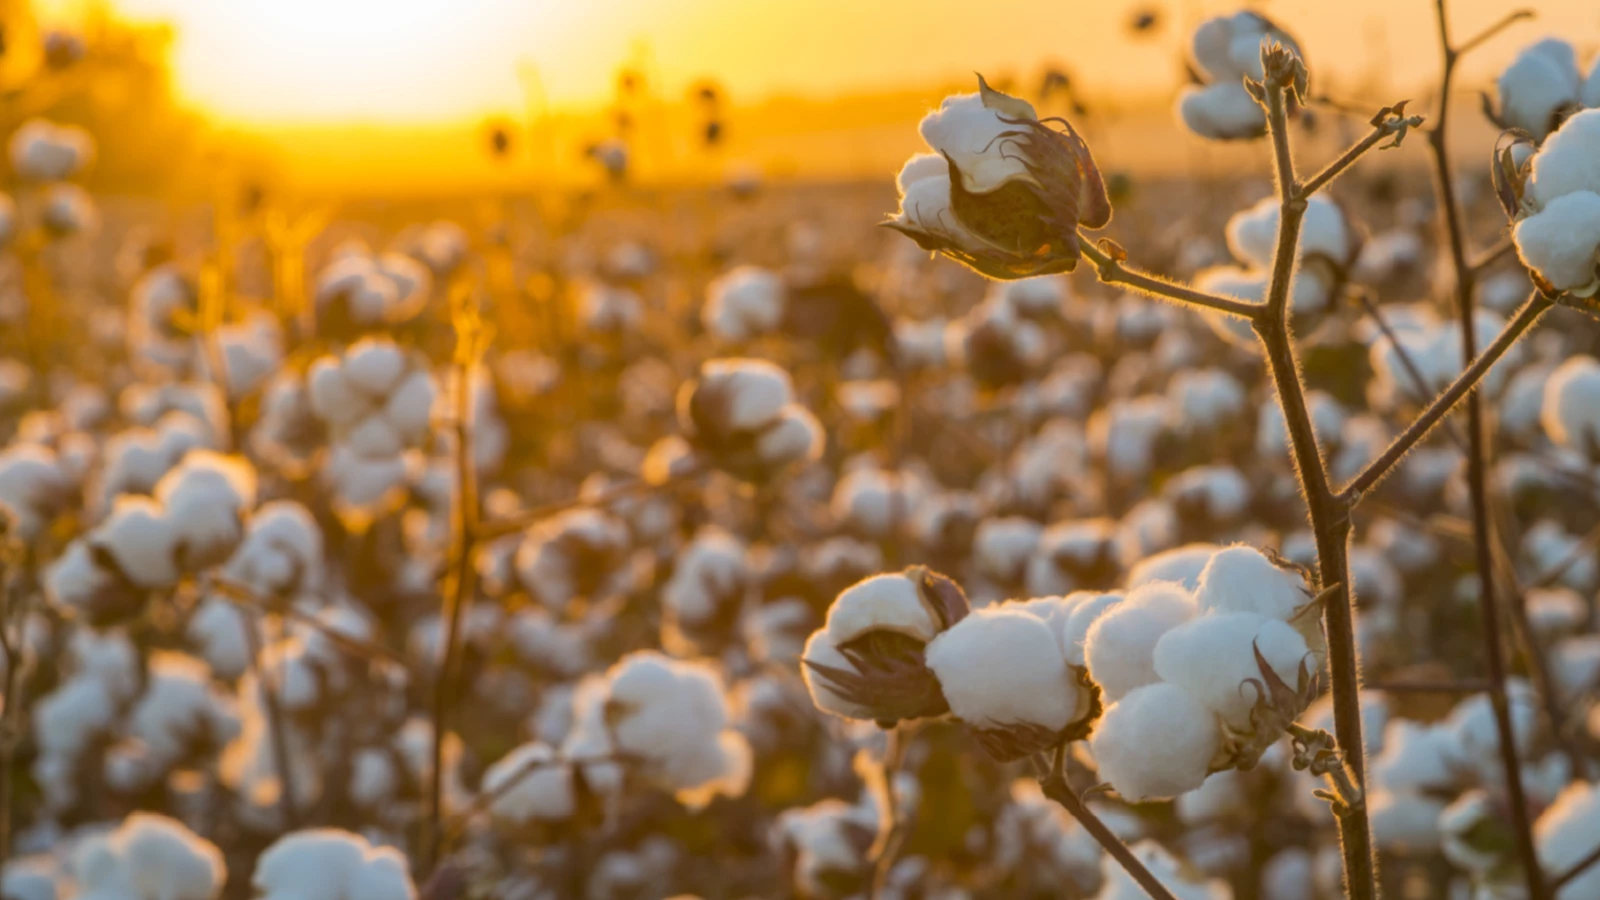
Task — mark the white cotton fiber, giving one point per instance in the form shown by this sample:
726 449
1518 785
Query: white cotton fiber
1001 666
890 602
1213 658
1156 742
1542 79
530 784
970 134
1241 579
1570 412
1561 241
1120 645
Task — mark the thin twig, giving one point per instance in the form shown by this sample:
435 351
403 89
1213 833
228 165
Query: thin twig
1489 257
1473 42
489 531
242 596
486 799
1055 787
1114 271
1576 869
1478 456
1580 551
1441 406
1386 125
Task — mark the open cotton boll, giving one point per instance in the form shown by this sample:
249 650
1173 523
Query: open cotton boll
747 393
142 542
1156 742
968 132
1253 233
607 309
1224 111
1240 578
1566 163
1475 733
674 716
1565 835
31 878
205 500
33 487
530 784
1125 433
328 864
1539 83
1001 546
1218 494
891 602
744 302
1073 630
1182 565
1003 667
281 554
1405 822
1120 645
179 709
1416 757
574 554
68 718
1073 554
150 857
1561 241
1213 658
44 151
1206 400
1571 408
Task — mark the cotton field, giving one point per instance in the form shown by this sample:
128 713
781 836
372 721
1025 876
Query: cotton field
1004 526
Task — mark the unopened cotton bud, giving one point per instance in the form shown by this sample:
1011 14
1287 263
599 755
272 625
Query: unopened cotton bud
1214 658
1119 648
1156 742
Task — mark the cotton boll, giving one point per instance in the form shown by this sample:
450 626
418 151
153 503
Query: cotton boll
1156 742
1125 434
1206 401
530 784
1561 241
150 856
205 500
886 603
44 151
1072 555
1475 733
33 487
1183 565
179 710
1253 233
604 309
972 136
1241 579
1571 408
328 864
1120 645
1565 165
1218 495
1289 875
1224 111
1404 821
68 210
1214 658
674 716
743 303
1000 667
1565 835
1001 547
1416 757
1539 83
30 878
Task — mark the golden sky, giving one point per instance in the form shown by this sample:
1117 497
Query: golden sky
429 61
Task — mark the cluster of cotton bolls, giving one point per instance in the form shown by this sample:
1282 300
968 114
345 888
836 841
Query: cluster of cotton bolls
801 563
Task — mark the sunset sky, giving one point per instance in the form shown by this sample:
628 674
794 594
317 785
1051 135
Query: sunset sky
429 61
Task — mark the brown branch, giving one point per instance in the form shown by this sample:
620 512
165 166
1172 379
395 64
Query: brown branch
1113 271
1055 787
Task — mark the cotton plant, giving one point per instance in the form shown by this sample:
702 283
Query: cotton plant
1553 197
1226 51
329 864
741 415
703 599
1542 86
360 292
148 857
743 303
